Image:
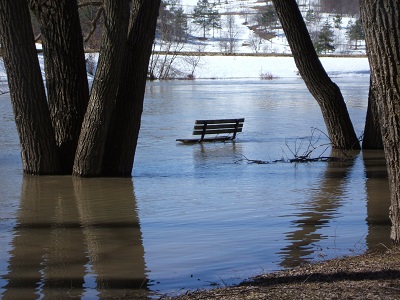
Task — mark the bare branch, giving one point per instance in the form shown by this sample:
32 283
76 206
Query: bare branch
94 23
38 37
89 3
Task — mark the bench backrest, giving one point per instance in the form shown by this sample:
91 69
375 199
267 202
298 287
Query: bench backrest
204 127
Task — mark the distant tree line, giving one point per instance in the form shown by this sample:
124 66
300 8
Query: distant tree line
174 26
266 22
350 7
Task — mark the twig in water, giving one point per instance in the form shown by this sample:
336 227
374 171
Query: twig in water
253 161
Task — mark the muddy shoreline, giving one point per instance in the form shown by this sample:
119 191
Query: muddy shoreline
373 275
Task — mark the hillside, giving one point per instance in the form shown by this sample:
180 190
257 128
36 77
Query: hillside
250 26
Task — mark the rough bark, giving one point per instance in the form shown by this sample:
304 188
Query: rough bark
124 132
92 140
381 21
38 147
327 93
372 130
66 78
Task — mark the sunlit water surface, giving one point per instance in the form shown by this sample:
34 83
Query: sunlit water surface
193 216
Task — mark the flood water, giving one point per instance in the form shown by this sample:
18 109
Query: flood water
193 216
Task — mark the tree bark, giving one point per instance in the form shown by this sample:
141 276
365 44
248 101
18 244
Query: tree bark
38 147
124 132
372 130
381 20
92 140
327 93
66 77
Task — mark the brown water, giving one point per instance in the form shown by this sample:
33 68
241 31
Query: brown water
193 216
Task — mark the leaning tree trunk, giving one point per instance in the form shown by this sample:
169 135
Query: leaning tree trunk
381 21
372 130
327 93
124 132
38 146
66 77
91 145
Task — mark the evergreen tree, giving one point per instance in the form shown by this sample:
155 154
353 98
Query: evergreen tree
355 32
181 26
214 19
172 22
310 18
337 21
269 17
325 39
311 21
201 15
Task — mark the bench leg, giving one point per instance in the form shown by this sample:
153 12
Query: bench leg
204 132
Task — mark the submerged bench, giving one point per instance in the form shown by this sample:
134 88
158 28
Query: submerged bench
214 128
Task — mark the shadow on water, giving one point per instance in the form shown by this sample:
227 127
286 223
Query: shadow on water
76 238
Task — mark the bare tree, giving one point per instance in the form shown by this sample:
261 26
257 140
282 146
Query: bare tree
38 147
65 69
381 20
109 131
255 42
194 60
326 92
125 124
372 131
92 139
229 38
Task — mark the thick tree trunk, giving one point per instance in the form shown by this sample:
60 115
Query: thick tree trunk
327 93
124 132
66 78
38 147
372 130
381 21
91 145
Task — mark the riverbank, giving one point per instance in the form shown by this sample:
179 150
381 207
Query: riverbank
370 276
279 66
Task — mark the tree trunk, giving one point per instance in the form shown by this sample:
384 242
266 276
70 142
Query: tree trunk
66 78
124 131
382 34
92 140
327 93
372 130
38 146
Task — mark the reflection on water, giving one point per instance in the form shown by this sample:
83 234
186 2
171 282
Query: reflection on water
317 213
200 215
75 238
377 188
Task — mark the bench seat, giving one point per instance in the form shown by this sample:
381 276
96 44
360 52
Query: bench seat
214 129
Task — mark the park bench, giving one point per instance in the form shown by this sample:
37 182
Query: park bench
213 129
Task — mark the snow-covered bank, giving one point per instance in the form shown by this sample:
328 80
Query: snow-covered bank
240 67
224 67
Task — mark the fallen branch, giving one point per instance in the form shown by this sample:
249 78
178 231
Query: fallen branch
306 156
252 161
302 159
